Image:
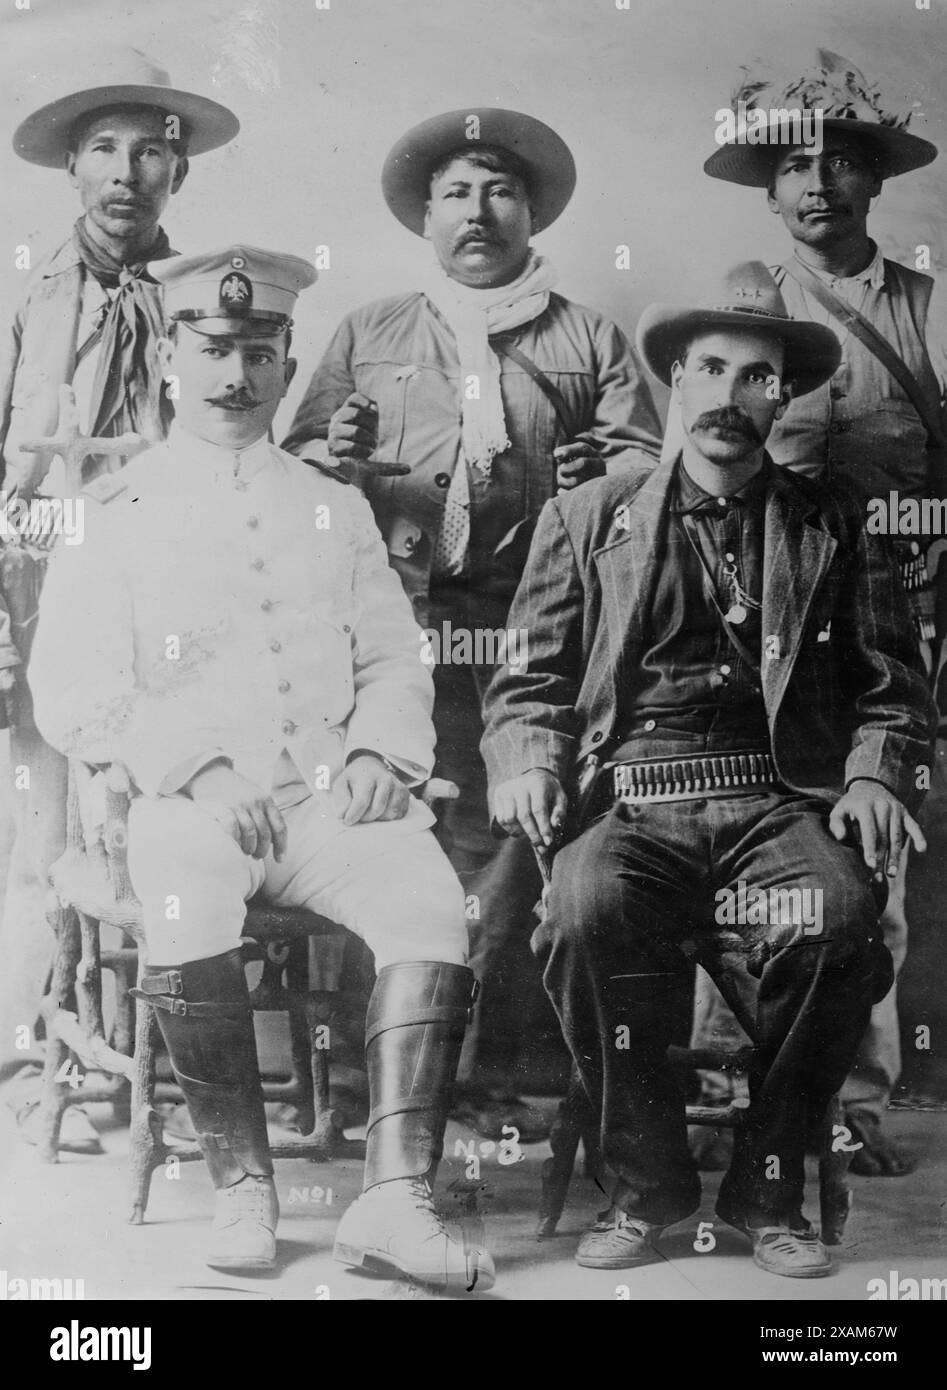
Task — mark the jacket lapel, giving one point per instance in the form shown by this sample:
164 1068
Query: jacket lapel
628 566
796 557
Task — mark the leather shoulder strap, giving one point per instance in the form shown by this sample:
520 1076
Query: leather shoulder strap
548 388
869 336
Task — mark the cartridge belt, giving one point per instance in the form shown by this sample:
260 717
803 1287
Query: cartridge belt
682 779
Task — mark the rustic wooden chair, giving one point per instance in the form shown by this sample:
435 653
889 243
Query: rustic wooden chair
302 957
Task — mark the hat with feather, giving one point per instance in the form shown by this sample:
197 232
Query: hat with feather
849 103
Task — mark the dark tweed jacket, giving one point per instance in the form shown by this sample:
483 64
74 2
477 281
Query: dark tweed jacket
853 704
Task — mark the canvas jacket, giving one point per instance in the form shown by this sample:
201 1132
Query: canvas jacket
401 353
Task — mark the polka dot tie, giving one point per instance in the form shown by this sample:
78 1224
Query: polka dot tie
453 539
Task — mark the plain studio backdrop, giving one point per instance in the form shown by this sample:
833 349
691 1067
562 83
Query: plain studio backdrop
324 87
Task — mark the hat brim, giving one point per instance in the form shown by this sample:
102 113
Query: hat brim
752 165
43 138
812 351
247 327
406 175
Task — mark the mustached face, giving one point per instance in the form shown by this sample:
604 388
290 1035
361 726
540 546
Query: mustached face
479 221
125 171
825 198
229 388
730 392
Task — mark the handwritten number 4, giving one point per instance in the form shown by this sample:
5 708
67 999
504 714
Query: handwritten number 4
69 1075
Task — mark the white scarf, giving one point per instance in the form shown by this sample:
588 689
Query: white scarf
473 314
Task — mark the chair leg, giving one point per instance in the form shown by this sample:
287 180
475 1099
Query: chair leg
147 1149
56 1093
573 1121
835 1197
123 1035
326 1130
89 979
301 1051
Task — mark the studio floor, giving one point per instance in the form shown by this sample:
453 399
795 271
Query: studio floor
69 1221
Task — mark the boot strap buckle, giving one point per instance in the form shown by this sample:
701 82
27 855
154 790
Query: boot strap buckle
161 982
161 1001
216 1141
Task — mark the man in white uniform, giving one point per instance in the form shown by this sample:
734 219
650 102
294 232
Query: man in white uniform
231 632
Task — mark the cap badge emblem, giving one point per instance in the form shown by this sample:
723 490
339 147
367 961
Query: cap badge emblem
235 289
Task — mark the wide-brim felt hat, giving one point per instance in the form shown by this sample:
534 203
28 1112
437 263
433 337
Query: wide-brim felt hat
748 299
850 103
125 77
406 175
897 151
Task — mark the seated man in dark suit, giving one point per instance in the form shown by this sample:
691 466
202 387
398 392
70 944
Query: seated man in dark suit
727 659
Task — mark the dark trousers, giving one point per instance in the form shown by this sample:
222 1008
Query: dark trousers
500 879
636 884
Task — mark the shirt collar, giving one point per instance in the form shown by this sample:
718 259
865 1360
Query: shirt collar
873 274
223 462
689 497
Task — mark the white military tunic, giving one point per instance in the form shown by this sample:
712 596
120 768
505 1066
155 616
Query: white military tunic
241 603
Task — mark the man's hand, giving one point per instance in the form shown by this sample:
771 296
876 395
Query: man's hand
881 824
353 438
9 696
576 463
247 815
367 791
353 429
533 804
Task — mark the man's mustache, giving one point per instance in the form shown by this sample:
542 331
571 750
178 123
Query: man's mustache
236 400
822 207
729 418
477 236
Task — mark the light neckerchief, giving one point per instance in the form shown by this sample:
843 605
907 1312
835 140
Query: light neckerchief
473 315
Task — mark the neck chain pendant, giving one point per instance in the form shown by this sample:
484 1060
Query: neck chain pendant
740 600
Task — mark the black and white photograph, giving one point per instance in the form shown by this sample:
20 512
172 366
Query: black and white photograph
473 701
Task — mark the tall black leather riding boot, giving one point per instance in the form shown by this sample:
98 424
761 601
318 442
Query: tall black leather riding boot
414 1032
203 1011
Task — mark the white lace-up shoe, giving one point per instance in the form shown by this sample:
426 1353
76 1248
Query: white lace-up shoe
394 1226
244 1234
